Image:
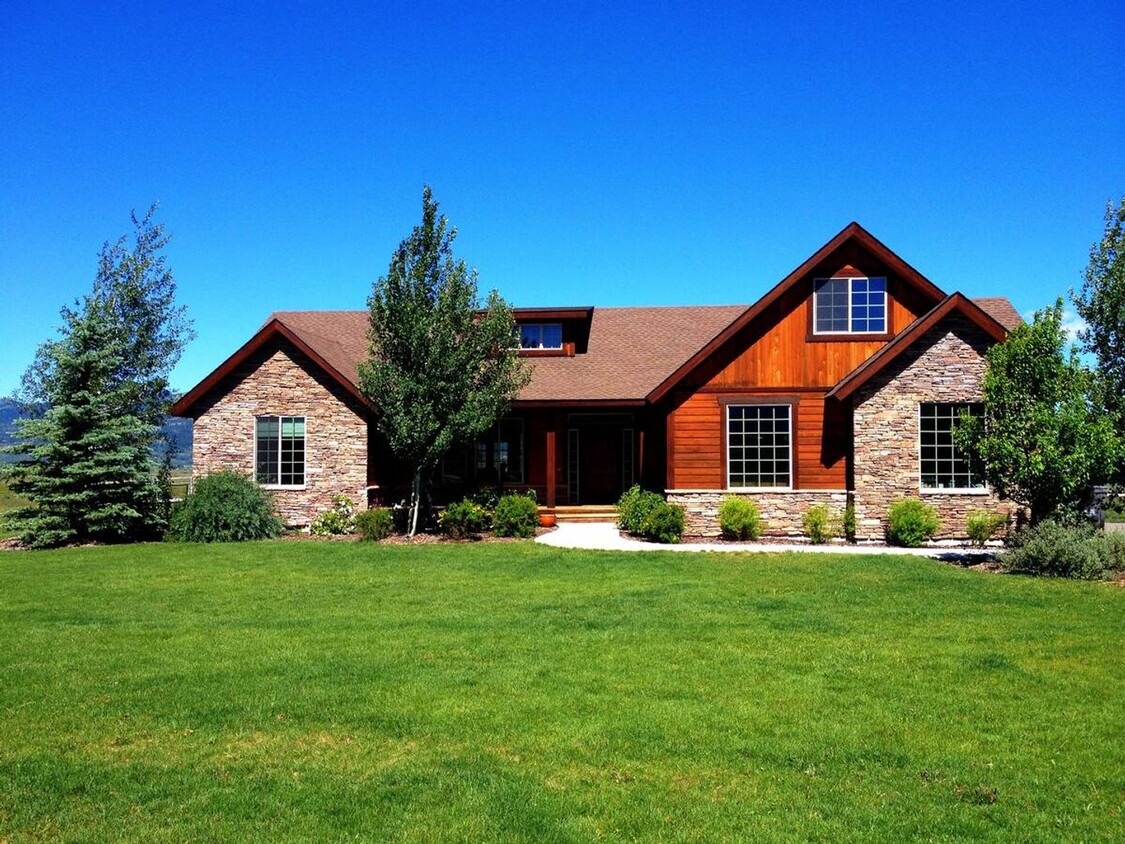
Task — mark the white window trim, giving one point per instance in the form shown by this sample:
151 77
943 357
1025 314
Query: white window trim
943 490
254 454
541 347
726 456
849 280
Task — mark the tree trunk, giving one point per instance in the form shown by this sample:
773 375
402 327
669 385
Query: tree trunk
415 502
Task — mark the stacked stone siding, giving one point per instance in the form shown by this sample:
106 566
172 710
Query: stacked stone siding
945 365
782 512
280 382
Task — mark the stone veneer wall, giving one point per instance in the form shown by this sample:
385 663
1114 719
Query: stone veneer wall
782 512
945 365
281 383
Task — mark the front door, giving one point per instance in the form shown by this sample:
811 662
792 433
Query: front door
600 460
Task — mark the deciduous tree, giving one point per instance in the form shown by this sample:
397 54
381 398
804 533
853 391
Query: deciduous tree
1043 439
442 369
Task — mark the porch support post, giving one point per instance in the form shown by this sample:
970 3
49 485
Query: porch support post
640 478
551 465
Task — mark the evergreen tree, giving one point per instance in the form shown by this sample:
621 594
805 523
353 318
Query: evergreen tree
95 400
442 370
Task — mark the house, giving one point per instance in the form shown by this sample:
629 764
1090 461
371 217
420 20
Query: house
840 385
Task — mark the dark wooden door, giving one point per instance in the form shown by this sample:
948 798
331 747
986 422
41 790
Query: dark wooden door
600 465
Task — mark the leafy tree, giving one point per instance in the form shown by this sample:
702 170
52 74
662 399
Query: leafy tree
1043 440
94 401
442 370
1101 303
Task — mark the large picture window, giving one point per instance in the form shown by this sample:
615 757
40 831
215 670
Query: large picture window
943 467
279 451
850 306
759 446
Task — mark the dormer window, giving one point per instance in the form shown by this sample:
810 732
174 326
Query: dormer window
850 306
541 335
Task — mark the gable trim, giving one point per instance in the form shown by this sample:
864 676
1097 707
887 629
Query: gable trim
851 232
883 358
274 328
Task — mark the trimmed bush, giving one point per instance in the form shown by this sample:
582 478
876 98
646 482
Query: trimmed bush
739 519
664 523
819 525
981 526
224 507
849 522
375 524
1051 549
462 520
910 523
337 521
516 515
633 508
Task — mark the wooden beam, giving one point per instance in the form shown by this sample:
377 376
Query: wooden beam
551 473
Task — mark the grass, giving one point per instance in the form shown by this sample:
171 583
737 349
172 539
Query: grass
300 691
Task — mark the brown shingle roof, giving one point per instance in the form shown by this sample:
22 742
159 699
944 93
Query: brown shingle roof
1000 309
631 350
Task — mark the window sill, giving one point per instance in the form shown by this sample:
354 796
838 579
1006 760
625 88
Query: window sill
291 487
759 489
953 491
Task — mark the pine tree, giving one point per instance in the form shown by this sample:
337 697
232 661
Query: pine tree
95 400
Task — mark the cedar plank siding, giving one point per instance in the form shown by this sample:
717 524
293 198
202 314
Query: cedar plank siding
778 355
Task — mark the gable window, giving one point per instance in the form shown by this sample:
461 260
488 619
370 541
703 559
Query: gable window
759 446
943 467
279 450
850 306
541 335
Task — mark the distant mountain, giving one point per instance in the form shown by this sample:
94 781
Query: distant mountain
178 428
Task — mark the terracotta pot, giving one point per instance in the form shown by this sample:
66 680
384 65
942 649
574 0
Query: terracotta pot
546 519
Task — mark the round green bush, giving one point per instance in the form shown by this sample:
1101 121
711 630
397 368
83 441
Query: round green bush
224 507
374 524
980 525
664 523
1051 549
819 525
516 515
739 519
338 521
462 519
633 508
910 523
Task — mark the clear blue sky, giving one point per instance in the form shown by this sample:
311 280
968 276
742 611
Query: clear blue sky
641 154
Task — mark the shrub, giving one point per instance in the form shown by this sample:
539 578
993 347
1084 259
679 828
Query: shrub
849 522
462 519
980 525
664 523
739 519
1052 549
374 524
819 525
224 507
910 523
516 515
337 521
633 508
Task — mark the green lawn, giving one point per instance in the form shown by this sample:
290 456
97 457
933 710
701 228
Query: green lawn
333 691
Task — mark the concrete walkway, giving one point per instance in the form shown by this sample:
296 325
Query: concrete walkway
600 536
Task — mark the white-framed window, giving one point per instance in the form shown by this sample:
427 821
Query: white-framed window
541 335
279 450
941 466
759 446
850 306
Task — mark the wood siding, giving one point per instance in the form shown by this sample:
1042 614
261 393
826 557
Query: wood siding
777 355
